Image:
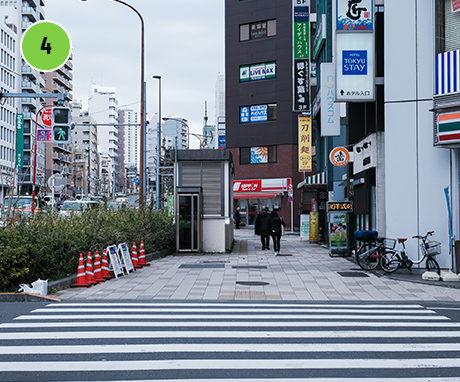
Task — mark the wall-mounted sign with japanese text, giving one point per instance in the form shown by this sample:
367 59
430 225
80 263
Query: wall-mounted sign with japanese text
301 14
320 36
355 15
330 110
455 5
301 85
19 140
305 162
340 206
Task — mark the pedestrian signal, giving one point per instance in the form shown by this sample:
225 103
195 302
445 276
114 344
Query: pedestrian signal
61 125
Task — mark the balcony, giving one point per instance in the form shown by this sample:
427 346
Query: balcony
29 11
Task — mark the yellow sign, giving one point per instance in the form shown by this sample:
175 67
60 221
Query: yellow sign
340 206
305 143
314 226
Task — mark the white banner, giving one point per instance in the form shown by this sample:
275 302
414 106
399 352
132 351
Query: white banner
330 110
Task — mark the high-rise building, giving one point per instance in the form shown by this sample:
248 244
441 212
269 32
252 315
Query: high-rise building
173 128
260 117
9 82
21 15
103 107
85 174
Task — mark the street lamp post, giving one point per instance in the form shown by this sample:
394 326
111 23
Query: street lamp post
142 116
158 178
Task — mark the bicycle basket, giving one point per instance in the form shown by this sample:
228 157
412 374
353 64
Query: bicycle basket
432 248
366 236
389 243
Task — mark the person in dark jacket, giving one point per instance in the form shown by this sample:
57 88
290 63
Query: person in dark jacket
262 228
237 217
275 225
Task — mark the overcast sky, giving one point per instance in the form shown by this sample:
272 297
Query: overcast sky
184 44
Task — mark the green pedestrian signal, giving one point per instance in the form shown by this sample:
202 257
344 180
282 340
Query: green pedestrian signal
61 120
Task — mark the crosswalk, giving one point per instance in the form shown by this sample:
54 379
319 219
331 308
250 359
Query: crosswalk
230 342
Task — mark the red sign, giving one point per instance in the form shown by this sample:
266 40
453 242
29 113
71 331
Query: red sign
46 117
455 5
247 185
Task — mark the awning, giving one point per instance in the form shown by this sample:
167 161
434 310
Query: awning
254 195
314 180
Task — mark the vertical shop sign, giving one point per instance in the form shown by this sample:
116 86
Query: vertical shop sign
355 47
20 140
301 55
301 85
330 110
455 5
301 29
304 143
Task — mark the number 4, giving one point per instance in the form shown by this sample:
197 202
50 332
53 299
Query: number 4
46 46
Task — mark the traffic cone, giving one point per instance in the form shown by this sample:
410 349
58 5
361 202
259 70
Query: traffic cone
105 266
89 270
81 275
142 261
134 258
97 268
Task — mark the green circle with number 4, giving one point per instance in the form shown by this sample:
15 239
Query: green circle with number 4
46 46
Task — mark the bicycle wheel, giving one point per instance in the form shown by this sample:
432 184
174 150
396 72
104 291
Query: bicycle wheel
390 261
366 258
432 265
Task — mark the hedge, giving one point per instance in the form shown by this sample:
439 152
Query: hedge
48 246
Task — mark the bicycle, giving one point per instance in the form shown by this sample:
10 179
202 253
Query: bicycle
391 263
368 254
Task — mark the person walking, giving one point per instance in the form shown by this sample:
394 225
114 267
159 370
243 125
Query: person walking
275 227
237 217
262 228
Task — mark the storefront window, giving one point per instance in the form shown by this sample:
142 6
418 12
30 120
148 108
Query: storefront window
447 26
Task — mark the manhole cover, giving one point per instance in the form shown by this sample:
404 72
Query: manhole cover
202 266
352 274
249 267
252 283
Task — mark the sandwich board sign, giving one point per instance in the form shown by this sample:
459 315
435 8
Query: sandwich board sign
123 253
115 263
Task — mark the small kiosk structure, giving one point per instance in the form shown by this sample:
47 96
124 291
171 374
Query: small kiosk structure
203 200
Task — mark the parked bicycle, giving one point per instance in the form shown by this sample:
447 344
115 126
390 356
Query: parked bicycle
372 248
392 262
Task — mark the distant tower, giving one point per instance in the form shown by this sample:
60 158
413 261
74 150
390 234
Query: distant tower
209 131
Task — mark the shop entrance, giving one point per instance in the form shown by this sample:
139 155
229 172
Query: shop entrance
188 223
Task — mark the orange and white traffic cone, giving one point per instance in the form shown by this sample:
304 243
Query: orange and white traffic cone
81 275
134 258
97 268
105 266
142 261
89 270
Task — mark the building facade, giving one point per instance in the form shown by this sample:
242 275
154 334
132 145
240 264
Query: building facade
261 121
103 107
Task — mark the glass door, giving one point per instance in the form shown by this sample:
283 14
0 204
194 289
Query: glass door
188 223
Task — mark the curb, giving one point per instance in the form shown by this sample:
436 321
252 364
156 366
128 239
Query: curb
67 282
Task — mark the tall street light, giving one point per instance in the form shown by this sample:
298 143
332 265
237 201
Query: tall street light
142 117
158 176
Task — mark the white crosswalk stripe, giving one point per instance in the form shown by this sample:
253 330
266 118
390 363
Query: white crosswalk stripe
226 342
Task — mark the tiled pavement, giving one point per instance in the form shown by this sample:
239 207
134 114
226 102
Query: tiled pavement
305 272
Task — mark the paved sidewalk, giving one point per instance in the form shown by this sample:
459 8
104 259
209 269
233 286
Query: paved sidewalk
304 272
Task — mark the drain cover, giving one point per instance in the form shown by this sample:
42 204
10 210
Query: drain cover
249 267
283 254
352 274
252 283
202 266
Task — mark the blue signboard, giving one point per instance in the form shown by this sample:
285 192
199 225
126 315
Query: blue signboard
244 114
354 62
259 113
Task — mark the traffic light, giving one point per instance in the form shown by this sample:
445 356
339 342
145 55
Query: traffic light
61 125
